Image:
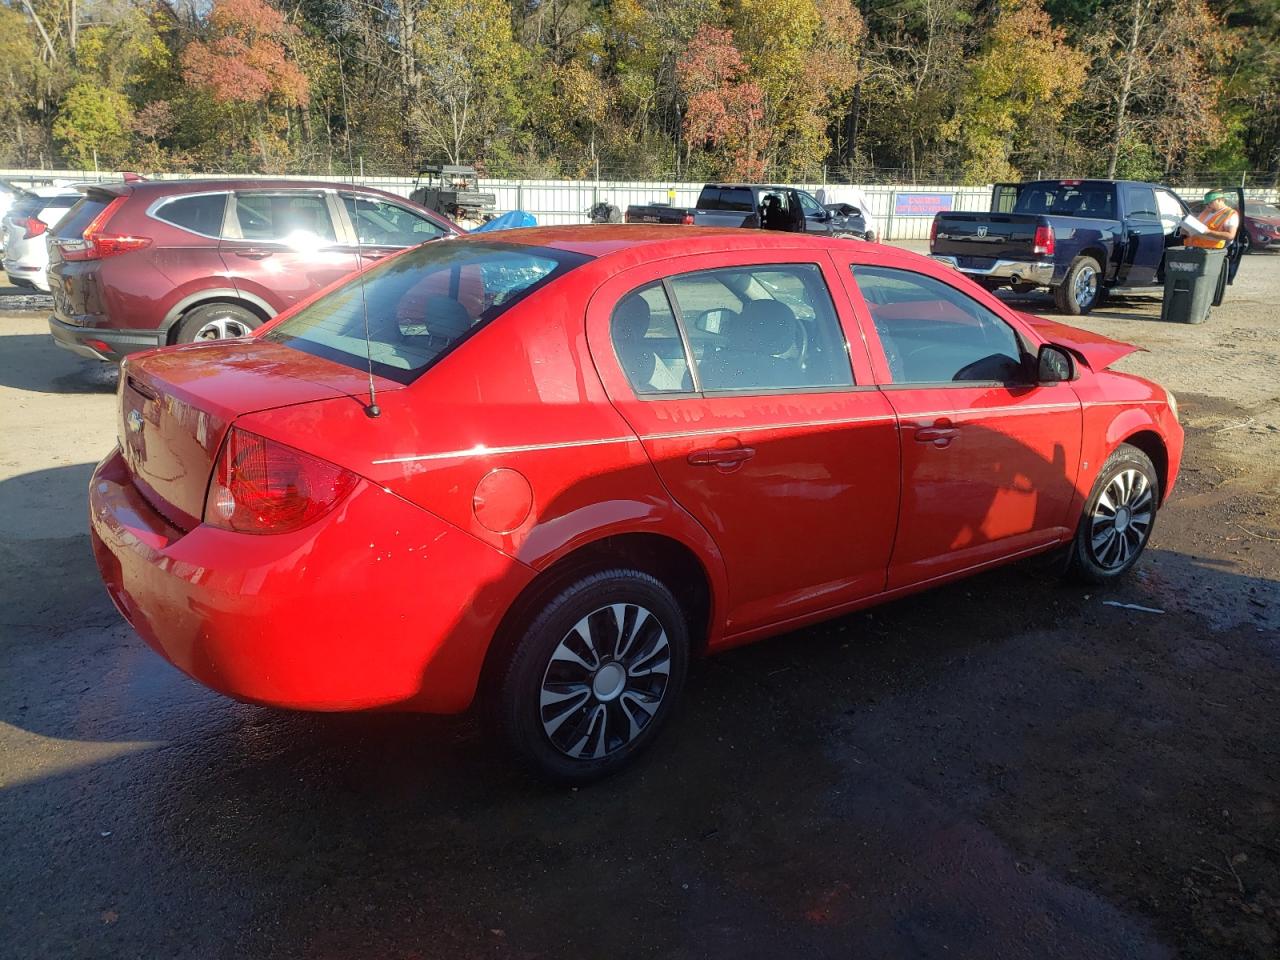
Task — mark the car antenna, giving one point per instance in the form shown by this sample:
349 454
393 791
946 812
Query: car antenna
371 409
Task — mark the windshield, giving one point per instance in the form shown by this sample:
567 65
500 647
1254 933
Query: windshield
1255 209
421 304
1067 200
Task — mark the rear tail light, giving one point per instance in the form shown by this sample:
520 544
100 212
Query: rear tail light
260 486
95 243
687 220
933 232
1044 241
33 227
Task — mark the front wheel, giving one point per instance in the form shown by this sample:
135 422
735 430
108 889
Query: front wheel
1081 289
593 677
1118 517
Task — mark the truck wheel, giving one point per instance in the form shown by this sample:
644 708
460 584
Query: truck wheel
1081 289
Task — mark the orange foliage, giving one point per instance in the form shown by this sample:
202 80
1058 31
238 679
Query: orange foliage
246 60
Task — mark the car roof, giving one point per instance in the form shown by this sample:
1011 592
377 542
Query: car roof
207 184
659 241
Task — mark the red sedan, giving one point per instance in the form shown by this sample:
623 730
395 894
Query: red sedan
593 453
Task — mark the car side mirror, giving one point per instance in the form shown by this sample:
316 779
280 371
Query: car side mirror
1054 365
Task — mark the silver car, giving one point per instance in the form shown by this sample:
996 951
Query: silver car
25 228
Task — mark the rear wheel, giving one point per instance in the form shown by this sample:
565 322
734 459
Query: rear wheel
1081 289
593 677
216 321
1118 517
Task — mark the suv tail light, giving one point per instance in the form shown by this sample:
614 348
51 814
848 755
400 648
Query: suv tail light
95 243
33 227
1044 241
933 232
260 486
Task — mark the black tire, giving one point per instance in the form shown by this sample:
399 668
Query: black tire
228 317
1067 296
1246 243
1095 556
545 736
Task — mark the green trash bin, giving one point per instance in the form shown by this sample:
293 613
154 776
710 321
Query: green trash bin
1190 279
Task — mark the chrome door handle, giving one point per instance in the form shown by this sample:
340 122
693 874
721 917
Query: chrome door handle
727 459
254 254
940 434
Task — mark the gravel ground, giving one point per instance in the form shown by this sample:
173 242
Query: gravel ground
1004 768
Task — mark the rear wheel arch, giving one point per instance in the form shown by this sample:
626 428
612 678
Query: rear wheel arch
670 561
173 319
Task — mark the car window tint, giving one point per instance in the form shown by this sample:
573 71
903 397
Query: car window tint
647 342
759 328
809 204
200 214
71 226
384 224
933 333
1140 202
737 200
295 218
420 305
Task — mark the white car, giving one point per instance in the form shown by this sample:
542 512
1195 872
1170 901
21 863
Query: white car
25 228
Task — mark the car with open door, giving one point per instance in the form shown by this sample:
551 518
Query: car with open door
539 472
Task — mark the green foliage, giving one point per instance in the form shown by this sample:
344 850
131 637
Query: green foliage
93 124
769 89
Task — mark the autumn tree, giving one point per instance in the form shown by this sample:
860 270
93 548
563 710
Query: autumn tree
723 112
1020 85
244 66
1151 72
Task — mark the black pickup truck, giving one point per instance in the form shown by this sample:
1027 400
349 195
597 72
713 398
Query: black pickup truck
760 206
1079 238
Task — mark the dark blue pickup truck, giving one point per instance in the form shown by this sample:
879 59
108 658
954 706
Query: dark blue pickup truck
1079 238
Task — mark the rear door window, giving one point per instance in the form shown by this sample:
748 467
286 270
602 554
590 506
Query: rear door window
647 343
737 200
762 328
295 218
1140 203
932 333
380 223
202 213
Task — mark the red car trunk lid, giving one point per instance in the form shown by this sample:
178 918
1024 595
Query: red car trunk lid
176 406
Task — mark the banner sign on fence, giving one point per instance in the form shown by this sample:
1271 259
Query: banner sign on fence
921 204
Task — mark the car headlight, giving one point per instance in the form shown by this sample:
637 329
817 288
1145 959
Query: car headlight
1172 401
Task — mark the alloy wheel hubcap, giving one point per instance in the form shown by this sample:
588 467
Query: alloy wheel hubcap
605 681
222 328
1121 520
1086 286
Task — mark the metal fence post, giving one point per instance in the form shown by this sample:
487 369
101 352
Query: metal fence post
888 226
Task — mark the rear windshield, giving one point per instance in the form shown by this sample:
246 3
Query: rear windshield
1063 200
726 198
71 227
421 305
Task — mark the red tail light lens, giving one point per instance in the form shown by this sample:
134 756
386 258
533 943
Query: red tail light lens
687 220
95 243
1044 241
261 486
933 232
33 227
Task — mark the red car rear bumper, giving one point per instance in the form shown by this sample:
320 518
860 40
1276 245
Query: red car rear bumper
329 617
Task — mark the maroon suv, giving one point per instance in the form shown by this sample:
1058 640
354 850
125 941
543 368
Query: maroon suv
139 265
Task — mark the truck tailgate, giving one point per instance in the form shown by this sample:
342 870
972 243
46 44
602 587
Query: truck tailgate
979 239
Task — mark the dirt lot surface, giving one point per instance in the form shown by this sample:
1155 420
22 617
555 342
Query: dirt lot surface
1006 768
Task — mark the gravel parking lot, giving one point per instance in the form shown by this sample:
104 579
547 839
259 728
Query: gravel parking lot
1005 768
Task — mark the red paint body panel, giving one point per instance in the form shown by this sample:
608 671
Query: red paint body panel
527 443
